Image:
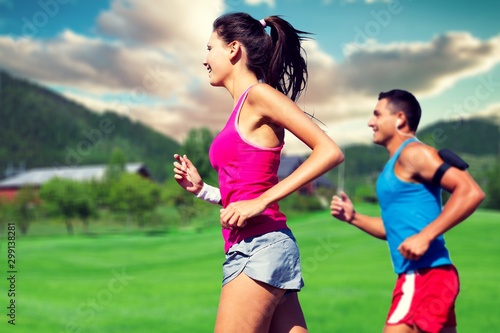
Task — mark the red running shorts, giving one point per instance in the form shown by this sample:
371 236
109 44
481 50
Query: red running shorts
425 298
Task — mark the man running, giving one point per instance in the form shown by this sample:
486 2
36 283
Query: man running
413 220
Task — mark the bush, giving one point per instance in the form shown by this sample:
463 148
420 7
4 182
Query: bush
299 203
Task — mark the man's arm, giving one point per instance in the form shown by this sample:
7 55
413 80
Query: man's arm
342 209
422 161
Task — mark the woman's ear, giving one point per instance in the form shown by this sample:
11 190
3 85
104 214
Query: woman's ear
234 49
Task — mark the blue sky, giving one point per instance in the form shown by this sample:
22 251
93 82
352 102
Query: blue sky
143 58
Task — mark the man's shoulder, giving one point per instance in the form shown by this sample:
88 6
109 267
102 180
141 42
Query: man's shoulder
417 155
418 149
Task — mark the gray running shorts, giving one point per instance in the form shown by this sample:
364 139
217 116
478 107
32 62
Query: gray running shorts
272 258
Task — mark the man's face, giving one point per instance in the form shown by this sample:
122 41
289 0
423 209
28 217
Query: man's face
383 122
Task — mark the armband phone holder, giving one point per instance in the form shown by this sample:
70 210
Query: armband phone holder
450 159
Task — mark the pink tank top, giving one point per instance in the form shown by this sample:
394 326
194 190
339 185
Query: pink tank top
245 172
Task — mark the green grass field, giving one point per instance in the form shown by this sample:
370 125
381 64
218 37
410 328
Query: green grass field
171 282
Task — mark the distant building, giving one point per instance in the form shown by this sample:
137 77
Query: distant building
11 170
288 164
39 176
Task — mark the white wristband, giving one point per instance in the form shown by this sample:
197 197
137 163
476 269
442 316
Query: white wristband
210 194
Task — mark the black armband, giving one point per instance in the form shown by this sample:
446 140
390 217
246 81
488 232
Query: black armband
450 159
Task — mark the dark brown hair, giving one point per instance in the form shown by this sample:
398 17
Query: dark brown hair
402 100
275 58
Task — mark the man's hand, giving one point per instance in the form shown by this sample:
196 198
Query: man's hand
342 208
414 247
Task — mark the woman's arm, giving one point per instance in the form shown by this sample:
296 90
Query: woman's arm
266 103
282 111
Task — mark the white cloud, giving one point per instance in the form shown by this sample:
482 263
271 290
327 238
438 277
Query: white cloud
492 110
92 64
270 3
168 24
327 2
153 51
346 92
426 69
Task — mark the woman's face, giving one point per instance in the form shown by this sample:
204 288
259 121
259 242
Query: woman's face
217 61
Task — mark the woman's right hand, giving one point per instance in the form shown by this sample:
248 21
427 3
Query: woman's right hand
186 174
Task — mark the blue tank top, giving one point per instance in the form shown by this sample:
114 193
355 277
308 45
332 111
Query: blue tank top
406 209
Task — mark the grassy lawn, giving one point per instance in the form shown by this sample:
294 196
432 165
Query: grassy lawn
171 282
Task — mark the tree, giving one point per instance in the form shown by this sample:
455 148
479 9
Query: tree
25 205
134 195
196 147
6 213
365 193
70 199
116 165
187 205
493 187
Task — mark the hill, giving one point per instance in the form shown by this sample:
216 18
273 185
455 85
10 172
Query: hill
473 138
476 140
41 128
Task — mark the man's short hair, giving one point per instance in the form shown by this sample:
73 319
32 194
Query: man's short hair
402 100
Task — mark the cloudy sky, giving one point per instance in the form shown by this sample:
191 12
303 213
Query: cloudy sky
144 58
